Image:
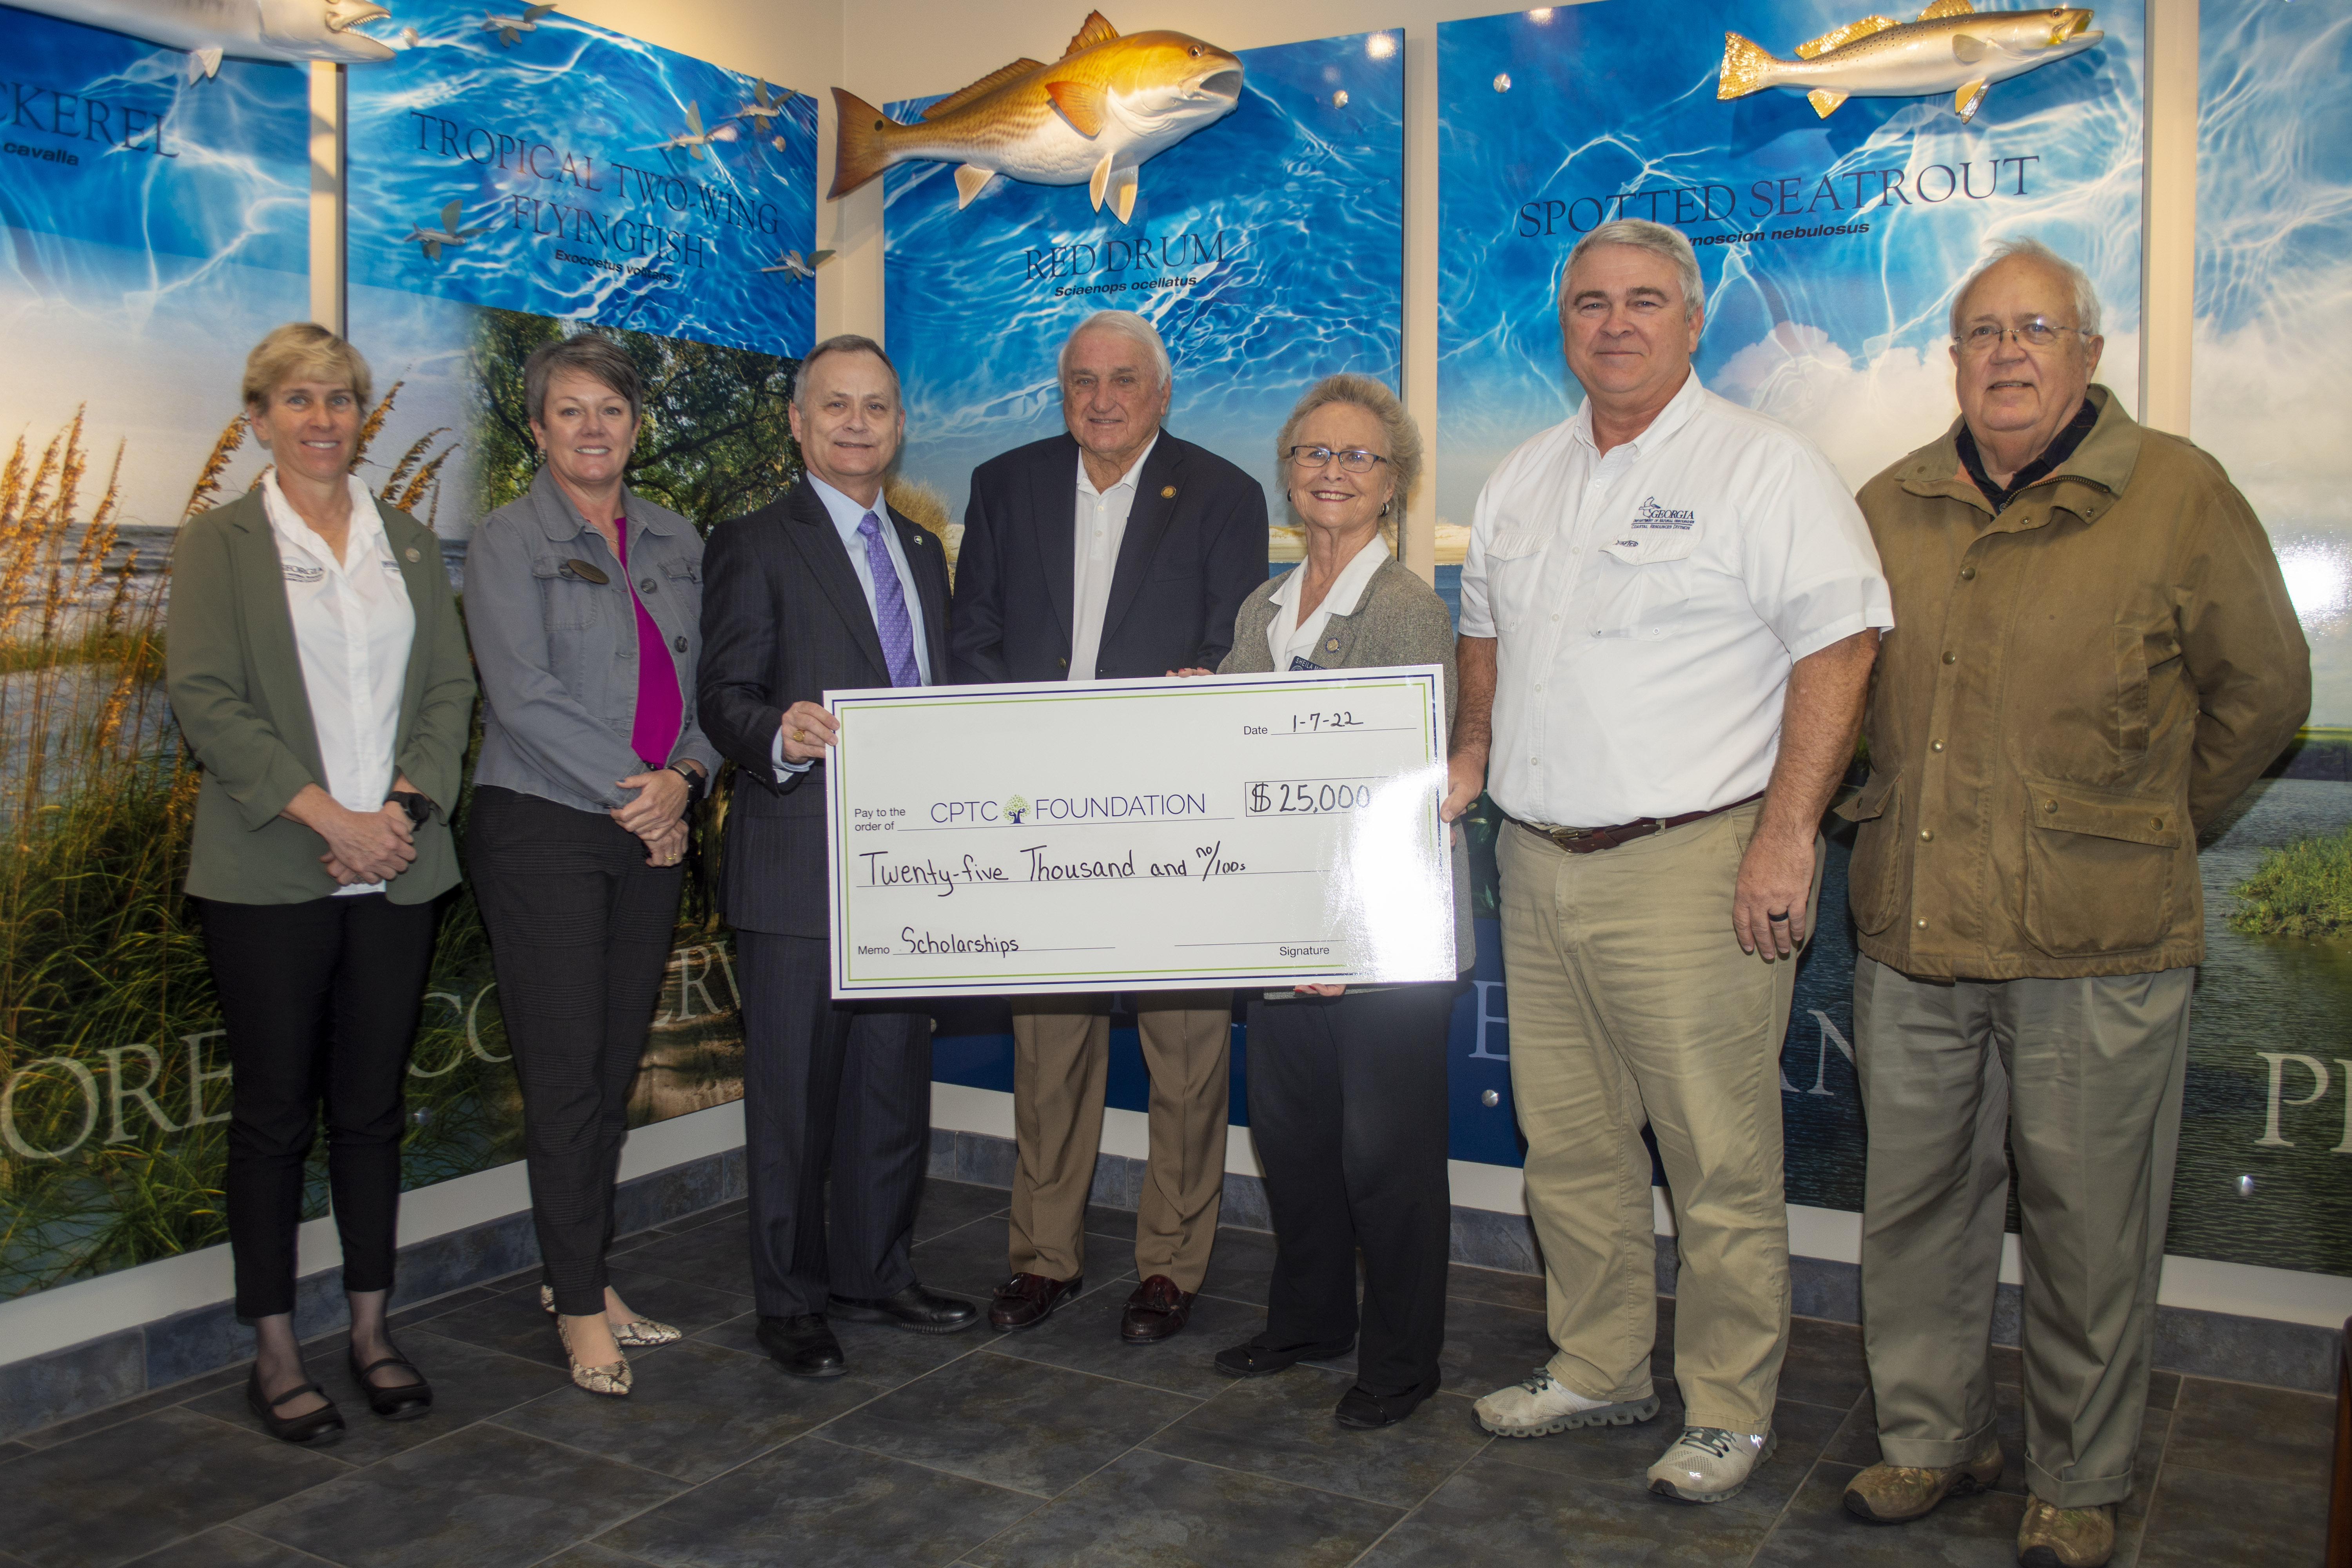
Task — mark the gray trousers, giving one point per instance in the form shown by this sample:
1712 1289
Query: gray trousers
2084 1077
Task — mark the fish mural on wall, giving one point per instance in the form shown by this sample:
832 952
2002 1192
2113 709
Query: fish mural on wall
1952 48
247 29
510 28
797 268
433 239
1091 118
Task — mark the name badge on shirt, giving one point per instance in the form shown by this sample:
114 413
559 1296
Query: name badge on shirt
295 574
1300 662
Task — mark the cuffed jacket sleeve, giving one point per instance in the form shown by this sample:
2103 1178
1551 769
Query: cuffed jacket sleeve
208 673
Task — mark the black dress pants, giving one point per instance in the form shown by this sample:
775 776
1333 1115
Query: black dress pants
579 931
1347 1109
836 1090
321 999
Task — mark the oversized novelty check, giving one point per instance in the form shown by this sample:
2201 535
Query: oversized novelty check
1231 831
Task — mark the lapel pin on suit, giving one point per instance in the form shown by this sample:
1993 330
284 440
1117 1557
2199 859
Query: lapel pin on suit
413 554
1331 645
1168 492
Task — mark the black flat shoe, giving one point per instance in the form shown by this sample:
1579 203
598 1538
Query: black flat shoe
317 1429
1361 1408
399 1402
914 1308
1255 1360
802 1345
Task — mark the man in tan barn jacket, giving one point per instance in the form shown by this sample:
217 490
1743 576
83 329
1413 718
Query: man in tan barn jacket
2096 654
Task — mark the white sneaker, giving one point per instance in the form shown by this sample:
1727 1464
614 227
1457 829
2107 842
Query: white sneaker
1542 1404
1708 1464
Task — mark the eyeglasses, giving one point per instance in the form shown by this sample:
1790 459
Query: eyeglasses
2036 334
1355 459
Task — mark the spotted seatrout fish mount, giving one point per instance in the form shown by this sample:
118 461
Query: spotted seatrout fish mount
1091 118
1952 48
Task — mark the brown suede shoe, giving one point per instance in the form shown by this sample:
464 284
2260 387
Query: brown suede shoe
1155 1311
2065 1537
1897 1494
1026 1301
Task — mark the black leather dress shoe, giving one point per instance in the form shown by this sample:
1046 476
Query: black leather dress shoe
1361 1408
915 1309
802 1345
1252 1358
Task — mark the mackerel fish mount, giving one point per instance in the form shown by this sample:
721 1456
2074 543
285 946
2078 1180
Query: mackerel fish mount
1090 118
1952 48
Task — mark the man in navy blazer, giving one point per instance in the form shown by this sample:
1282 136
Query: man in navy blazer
1112 551
827 587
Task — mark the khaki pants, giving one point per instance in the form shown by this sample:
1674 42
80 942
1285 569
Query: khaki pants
2084 1077
1061 1060
1629 1002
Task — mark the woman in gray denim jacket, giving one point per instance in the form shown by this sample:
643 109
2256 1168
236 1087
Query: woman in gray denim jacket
584 604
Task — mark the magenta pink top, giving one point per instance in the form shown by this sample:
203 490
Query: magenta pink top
661 705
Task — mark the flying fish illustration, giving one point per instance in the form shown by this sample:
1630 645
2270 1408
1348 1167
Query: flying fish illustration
694 138
511 28
797 268
1952 48
255 30
433 239
1091 118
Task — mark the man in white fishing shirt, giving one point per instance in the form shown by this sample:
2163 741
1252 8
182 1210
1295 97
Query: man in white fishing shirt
1669 610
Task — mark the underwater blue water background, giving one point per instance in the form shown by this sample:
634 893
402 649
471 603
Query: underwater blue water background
1298 200
1544 116
2273 353
554 148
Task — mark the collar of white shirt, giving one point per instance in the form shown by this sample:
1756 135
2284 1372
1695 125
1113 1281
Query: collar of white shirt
848 514
366 524
1126 481
1345 588
1672 417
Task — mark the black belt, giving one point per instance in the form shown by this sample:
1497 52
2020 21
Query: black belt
1585 840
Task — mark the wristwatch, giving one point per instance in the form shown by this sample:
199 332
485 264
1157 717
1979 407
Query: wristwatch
419 808
695 781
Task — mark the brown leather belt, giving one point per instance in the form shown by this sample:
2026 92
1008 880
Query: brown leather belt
1585 840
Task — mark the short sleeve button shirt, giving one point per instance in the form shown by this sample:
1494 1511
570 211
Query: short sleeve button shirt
1647 605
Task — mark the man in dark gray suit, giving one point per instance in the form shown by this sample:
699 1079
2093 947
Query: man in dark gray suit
826 588
1111 551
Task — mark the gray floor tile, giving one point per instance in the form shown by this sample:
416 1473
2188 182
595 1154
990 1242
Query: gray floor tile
681 1303
129 1488
227 1547
1148 1511
484 1497
1978 1531
589 1555
2215 1520
2163 1390
717 1256
1824 1364
700 1217
130 1409
694 1412
1241 1268
1489 1346
1010 1423
1281 1426
969 1261
1622 1455
509 1322
13 1449
1494 1284
440 1306
879 1356
950 1206
2240 1429
1083 1337
1544 1520
818 1502
468 1384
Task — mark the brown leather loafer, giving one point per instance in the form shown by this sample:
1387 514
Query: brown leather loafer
1157 1310
1026 1301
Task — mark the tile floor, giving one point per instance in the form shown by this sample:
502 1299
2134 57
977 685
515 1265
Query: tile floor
1059 1446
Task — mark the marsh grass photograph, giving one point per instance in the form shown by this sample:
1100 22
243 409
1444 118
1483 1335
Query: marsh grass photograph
113 1080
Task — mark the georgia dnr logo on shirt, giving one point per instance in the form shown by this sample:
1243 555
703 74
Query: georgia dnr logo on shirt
296 574
1649 514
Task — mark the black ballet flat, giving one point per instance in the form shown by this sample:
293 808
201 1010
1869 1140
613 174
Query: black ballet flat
402 1402
316 1429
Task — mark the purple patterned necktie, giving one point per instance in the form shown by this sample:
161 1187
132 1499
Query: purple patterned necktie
889 607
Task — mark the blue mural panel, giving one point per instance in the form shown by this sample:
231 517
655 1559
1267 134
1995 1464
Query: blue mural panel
1268 247
558 169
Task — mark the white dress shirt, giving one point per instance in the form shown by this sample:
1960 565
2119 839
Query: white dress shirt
1102 526
1647 606
354 625
847 515
1288 638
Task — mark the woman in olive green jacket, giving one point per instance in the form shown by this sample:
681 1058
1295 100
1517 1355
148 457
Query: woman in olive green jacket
317 668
